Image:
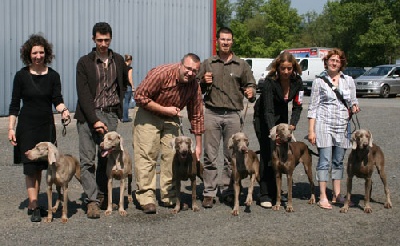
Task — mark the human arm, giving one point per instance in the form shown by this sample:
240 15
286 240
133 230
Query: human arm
14 108
297 104
353 98
158 81
86 89
250 86
312 111
196 118
311 131
12 119
199 146
268 115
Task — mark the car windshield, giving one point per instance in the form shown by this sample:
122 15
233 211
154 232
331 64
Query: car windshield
378 71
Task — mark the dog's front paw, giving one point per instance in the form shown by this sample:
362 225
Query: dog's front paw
195 208
276 207
235 212
48 219
367 209
64 219
344 209
122 212
176 209
108 212
289 208
387 205
312 199
249 201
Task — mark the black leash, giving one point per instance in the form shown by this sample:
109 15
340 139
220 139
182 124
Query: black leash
65 123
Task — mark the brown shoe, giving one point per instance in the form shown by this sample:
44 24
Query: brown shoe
149 208
208 202
93 210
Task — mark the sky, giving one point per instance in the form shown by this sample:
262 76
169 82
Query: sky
303 6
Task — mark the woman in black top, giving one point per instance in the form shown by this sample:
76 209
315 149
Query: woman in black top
39 88
283 85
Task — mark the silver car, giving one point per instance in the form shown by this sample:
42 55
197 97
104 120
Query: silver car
383 80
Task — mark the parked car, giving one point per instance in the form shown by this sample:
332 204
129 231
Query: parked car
354 72
383 80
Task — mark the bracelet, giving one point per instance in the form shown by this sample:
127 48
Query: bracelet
11 129
62 111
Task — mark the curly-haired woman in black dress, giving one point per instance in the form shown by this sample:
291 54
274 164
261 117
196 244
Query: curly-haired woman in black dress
39 87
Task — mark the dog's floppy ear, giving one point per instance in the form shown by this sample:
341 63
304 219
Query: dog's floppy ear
230 142
272 133
191 147
370 138
52 154
353 140
173 143
121 142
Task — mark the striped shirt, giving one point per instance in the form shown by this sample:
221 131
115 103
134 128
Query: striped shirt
162 86
330 114
106 92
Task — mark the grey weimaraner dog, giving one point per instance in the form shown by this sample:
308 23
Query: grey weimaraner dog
119 166
60 171
364 156
285 157
244 163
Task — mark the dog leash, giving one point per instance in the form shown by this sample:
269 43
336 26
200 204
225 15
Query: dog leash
65 123
244 117
181 125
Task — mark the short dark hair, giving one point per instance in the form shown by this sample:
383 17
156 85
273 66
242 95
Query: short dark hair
102 28
36 40
224 30
193 56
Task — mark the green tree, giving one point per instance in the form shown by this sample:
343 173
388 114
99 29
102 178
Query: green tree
224 13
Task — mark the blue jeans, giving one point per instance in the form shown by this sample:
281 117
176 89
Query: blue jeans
127 100
328 155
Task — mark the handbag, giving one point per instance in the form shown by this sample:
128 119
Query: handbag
338 95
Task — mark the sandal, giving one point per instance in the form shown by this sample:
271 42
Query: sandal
324 204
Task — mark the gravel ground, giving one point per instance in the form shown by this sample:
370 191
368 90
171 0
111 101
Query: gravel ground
308 225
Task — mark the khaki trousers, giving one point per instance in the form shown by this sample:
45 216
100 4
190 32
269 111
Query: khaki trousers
152 135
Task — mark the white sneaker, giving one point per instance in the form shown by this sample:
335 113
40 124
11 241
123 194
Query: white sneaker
266 204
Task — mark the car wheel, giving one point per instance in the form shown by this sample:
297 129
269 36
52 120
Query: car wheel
385 90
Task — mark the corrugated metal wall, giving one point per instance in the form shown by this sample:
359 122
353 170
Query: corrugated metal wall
153 31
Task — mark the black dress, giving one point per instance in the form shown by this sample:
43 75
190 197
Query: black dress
35 118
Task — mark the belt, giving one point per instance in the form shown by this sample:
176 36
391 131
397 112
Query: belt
112 109
222 111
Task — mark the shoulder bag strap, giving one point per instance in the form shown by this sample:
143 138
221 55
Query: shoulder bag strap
334 89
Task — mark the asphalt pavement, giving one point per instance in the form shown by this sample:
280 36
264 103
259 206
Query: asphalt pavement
308 225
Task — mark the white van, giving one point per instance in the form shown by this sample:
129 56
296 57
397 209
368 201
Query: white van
310 67
258 66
